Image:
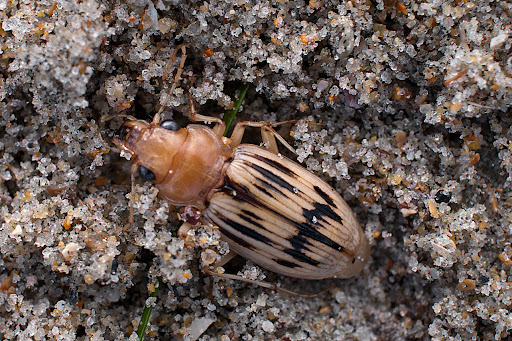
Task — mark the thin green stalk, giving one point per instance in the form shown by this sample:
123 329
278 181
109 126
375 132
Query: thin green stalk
146 314
229 115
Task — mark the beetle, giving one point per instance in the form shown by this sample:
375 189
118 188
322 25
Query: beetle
268 208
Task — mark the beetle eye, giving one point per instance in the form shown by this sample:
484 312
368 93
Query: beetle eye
146 173
170 125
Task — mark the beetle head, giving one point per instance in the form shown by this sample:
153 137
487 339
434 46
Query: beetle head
127 136
151 146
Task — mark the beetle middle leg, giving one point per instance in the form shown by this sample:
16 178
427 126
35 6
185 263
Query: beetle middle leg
268 134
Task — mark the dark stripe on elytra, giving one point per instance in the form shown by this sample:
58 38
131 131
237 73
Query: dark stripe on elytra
247 231
249 213
242 193
286 263
262 189
324 196
275 164
308 230
252 221
236 239
311 232
273 178
319 211
299 256
298 242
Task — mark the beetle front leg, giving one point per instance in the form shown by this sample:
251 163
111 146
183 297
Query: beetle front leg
268 134
132 198
219 127
177 77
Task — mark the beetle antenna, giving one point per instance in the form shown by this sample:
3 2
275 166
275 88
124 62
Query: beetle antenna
177 77
104 143
106 118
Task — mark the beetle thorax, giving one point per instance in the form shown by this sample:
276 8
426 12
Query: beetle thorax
196 167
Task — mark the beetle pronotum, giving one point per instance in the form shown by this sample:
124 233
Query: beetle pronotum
268 209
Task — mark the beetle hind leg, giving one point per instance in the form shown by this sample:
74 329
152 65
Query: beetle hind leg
263 284
183 233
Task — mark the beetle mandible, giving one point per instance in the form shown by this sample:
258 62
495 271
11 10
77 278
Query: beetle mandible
268 208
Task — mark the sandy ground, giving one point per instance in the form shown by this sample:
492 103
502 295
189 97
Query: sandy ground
412 101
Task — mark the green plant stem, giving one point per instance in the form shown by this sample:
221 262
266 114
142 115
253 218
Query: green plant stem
229 115
146 314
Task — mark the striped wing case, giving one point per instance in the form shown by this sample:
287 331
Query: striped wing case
284 218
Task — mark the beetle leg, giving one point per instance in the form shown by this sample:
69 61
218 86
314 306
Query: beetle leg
183 234
269 139
132 198
219 127
177 77
183 230
268 134
225 259
267 285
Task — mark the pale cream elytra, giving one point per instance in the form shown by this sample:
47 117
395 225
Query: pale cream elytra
268 208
